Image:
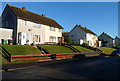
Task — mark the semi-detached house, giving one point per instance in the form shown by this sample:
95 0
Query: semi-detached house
106 40
80 35
29 27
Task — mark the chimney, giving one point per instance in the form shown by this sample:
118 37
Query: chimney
43 15
76 25
86 27
23 8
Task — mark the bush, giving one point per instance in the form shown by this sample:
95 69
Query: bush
68 40
85 45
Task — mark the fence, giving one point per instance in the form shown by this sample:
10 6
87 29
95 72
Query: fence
47 56
30 57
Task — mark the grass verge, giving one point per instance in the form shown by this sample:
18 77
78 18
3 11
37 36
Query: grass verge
53 49
82 49
21 49
106 50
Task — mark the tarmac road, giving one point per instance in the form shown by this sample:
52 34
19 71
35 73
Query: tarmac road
99 68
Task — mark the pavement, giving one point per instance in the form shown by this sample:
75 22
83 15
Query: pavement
10 67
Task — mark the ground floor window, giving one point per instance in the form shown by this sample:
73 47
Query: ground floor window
36 38
52 39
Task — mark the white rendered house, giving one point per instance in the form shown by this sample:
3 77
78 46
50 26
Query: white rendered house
29 27
80 35
5 34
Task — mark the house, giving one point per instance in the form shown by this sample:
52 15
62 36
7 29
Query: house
29 27
5 34
117 41
106 40
80 35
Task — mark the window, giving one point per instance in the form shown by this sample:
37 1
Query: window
52 39
36 38
25 22
36 25
52 28
71 35
22 21
6 23
23 36
10 36
60 30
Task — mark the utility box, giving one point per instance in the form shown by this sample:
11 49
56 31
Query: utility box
10 41
21 38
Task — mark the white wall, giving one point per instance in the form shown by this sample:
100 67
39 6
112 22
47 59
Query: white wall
49 33
92 39
5 34
76 34
43 31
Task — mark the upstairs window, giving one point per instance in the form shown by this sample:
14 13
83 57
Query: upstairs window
72 35
36 25
25 22
6 23
60 30
52 29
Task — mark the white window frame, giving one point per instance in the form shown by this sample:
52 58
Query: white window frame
52 29
36 25
52 39
39 39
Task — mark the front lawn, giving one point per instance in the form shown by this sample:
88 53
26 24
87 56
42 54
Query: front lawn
53 49
106 50
82 49
21 49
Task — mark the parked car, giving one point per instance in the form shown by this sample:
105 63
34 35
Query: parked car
116 53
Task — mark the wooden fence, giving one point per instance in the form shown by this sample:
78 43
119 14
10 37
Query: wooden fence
30 57
47 56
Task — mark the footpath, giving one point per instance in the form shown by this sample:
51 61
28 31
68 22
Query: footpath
11 67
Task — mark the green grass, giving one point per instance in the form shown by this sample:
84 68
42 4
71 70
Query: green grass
106 50
53 49
82 49
21 49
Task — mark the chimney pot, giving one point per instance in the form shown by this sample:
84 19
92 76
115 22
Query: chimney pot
43 15
24 8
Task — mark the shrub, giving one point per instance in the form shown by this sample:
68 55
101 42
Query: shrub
68 40
85 44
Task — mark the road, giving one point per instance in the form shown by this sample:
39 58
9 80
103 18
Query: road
96 68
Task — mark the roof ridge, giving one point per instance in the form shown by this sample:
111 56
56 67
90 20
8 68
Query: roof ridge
34 17
107 35
87 30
